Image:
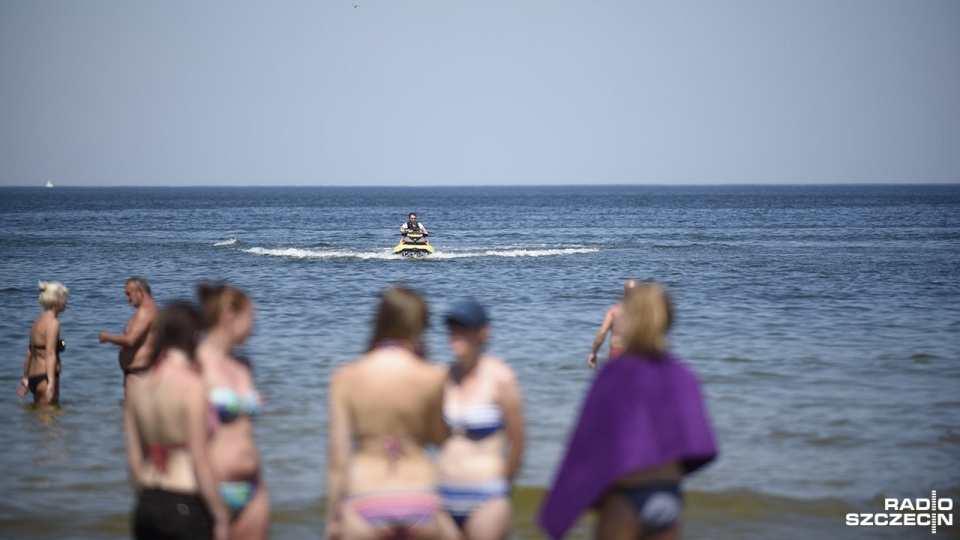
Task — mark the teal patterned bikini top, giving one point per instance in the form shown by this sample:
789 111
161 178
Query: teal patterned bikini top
229 405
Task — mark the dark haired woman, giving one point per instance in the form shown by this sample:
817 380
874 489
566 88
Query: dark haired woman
167 439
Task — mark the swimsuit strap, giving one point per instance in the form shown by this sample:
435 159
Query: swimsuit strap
393 448
387 343
159 456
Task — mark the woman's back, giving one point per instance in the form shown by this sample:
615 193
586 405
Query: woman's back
159 405
393 400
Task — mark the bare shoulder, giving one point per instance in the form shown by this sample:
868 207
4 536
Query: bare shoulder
501 371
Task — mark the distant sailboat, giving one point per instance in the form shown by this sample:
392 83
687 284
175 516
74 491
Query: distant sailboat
49 183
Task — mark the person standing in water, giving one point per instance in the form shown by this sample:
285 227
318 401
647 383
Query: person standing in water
168 452
41 366
483 409
385 407
136 342
642 428
228 316
612 323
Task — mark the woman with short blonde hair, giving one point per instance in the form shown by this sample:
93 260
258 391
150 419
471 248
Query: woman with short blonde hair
41 365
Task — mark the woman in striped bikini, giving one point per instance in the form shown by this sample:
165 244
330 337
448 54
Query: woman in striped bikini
384 408
482 406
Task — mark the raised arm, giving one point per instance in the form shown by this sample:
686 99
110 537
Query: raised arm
512 405
598 339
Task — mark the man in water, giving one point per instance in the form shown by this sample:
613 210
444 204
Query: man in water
613 323
137 341
412 225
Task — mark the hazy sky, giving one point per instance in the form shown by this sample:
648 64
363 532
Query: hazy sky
486 92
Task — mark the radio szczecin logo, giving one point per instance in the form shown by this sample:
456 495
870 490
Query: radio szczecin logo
908 512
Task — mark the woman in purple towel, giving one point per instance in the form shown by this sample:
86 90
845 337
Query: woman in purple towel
643 427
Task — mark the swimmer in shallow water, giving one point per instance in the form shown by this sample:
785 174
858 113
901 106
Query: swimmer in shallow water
136 342
41 365
612 323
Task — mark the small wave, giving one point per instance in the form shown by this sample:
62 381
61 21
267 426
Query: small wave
229 242
515 253
296 253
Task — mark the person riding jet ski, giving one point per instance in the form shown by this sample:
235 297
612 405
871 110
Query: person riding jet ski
412 225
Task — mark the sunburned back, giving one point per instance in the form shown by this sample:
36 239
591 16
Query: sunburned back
160 412
616 326
394 404
392 393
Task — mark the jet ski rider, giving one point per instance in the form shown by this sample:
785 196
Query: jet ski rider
412 225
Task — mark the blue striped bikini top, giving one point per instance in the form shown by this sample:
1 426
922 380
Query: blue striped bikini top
228 404
476 421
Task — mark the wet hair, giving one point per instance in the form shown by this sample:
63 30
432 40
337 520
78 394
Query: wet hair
52 293
411 214
402 315
216 299
177 327
648 316
140 283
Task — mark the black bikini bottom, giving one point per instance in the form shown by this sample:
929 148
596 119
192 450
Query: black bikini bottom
168 515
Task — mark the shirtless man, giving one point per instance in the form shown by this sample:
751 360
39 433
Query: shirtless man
612 323
137 341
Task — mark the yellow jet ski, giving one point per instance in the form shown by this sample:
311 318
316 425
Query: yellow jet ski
413 244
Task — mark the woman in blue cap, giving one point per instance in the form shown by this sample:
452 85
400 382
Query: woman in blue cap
483 408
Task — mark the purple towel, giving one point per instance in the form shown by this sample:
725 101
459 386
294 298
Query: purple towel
639 413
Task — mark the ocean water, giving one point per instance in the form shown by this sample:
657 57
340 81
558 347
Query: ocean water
823 321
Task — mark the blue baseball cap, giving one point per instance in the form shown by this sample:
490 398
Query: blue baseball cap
467 312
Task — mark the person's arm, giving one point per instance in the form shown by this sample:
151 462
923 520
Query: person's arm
134 448
437 428
403 228
195 410
132 334
598 339
24 382
423 230
338 454
512 404
53 335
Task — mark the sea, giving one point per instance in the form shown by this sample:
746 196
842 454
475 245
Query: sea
822 321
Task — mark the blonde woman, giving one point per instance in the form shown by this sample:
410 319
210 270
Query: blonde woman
228 314
41 366
385 407
642 428
483 408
